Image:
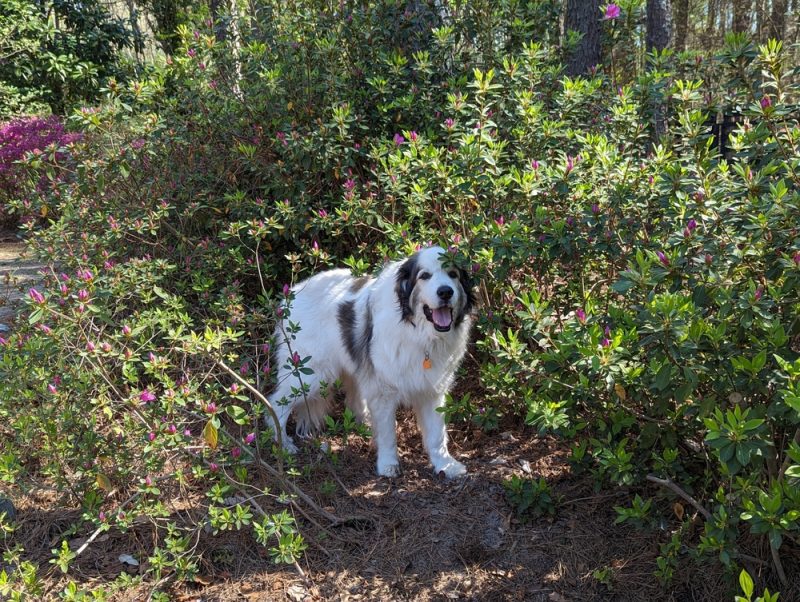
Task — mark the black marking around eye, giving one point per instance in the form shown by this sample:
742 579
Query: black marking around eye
406 280
469 296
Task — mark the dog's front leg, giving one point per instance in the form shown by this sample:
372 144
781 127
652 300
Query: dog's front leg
384 432
434 436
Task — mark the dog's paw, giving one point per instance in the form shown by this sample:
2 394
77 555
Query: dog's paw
288 445
452 469
389 470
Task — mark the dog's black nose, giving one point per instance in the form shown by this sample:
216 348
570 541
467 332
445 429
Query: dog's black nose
445 292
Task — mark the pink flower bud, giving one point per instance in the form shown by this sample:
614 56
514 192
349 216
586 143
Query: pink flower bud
151 436
250 438
36 296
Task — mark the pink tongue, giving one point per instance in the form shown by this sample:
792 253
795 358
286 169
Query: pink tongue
442 317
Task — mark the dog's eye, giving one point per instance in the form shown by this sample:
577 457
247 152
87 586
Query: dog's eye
424 276
453 274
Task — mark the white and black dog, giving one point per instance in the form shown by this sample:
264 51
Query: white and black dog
392 340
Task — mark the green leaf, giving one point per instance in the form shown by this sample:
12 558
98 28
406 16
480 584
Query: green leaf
663 377
746 583
238 414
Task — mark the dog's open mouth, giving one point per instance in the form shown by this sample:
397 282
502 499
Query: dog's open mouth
441 317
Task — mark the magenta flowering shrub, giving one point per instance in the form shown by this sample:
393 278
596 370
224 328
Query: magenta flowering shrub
638 297
22 138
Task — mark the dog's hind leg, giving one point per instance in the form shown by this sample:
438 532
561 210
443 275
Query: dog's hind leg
355 400
283 401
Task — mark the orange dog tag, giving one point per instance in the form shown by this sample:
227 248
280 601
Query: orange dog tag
426 363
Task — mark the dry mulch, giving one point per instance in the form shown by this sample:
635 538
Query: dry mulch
420 537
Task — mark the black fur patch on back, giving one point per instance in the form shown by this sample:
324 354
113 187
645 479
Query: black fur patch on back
406 280
357 343
358 283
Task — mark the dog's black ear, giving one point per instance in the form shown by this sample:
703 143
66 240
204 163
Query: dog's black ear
469 295
406 279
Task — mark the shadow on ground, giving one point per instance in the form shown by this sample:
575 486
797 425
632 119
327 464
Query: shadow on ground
422 537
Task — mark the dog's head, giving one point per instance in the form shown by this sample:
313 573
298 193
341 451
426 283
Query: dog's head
430 287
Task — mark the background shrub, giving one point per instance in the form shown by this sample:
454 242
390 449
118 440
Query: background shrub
639 294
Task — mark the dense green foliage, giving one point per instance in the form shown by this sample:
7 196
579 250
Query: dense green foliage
55 55
639 298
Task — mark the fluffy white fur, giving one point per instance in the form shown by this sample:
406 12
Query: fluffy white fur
374 335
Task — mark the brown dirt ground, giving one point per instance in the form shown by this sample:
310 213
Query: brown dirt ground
420 538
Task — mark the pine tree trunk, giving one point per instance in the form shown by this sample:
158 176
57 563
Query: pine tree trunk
777 21
584 16
659 24
711 20
742 12
681 16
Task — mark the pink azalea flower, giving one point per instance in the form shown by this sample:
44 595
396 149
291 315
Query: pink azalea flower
612 12
146 396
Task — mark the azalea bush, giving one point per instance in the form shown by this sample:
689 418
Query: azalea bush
638 296
21 138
